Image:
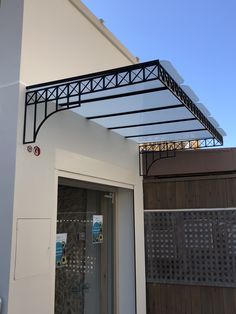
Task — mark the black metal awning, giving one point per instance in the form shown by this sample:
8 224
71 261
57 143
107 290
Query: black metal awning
142 102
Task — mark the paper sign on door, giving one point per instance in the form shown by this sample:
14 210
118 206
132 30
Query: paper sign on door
60 249
97 230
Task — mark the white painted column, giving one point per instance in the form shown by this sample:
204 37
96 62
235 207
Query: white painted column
11 15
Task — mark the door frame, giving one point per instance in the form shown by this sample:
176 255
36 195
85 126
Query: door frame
105 185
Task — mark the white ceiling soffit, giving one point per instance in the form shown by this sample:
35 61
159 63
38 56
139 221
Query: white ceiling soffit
143 102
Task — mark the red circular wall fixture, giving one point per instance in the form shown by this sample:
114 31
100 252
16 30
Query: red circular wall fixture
37 151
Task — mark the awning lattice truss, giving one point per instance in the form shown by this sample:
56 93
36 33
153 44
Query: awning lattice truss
142 102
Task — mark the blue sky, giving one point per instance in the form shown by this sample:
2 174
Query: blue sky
198 37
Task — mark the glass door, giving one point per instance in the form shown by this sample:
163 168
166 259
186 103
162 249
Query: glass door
84 252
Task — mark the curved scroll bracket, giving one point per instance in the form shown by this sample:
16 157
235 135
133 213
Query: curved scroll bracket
42 103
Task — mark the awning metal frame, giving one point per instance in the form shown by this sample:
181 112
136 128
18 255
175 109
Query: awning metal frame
68 93
150 153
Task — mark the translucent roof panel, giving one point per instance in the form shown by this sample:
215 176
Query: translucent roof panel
127 104
158 113
141 102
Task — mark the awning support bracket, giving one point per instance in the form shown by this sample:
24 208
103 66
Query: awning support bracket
150 153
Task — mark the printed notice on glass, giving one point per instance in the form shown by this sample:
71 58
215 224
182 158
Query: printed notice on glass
97 230
61 240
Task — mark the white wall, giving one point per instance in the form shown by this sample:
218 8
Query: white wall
59 41
71 144
8 131
11 12
10 47
126 260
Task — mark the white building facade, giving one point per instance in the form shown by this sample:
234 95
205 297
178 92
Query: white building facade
80 121
42 41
